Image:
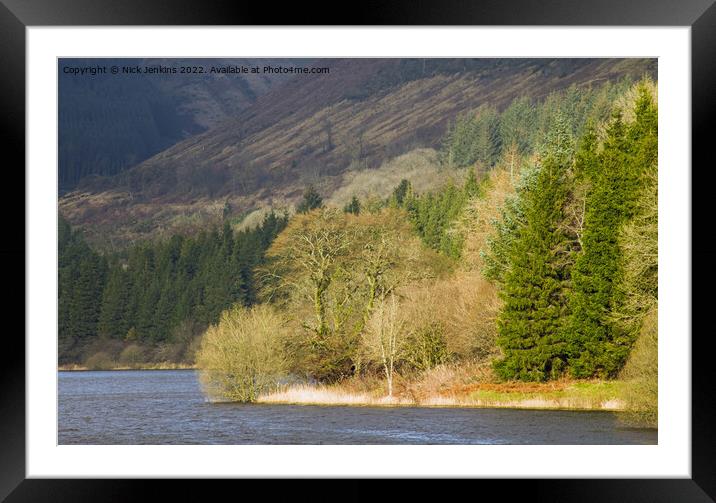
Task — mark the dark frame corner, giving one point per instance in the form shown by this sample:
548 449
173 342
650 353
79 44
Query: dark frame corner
700 15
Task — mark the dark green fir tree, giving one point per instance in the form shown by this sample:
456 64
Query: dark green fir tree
535 285
352 207
114 316
597 345
311 200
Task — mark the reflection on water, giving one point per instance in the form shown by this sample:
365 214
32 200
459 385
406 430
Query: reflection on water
168 407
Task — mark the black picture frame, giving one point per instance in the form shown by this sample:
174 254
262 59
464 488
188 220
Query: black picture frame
700 15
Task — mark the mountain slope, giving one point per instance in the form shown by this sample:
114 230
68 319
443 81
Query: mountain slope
315 129
109 122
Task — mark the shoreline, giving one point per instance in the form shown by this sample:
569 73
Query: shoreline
594 396
532 404
158 366
523 405
576 397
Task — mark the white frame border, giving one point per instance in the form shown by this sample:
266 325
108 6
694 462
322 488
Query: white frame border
670 458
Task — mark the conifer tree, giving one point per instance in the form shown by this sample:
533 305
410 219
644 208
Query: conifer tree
597 345
401 192
311 200
496 257
534 291
81 276
146 321
114 316
352 207
471 187
164 315
518 125
156 286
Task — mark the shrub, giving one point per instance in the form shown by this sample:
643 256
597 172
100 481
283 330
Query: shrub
169 352
242 355
426 347
192 350
641 390
186 331
131 355
466 322
472 315
99 361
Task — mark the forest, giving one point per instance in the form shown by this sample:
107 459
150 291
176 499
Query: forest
150 302
535 262
101 134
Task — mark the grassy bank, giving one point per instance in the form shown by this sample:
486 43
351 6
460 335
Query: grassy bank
568 395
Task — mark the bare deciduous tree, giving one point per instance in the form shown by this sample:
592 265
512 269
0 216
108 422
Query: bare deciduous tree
304 260
385 337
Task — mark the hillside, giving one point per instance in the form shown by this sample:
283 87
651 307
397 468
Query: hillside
314 129
111 122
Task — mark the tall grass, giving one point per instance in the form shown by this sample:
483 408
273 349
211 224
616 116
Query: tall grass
328 395
441 388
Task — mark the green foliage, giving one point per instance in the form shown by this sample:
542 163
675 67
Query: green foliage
114 316
471 188
518 125
81 278
432 215
598 345
353 207
575 250
484 135
496 256
473 138
435 214
311 200
535 284
226 211
149 291
400 192
131 335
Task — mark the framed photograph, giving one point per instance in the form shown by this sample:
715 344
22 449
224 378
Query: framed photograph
428 245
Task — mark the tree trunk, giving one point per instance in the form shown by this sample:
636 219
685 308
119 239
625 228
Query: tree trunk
390 383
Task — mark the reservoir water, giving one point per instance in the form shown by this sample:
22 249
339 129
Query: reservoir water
168 407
